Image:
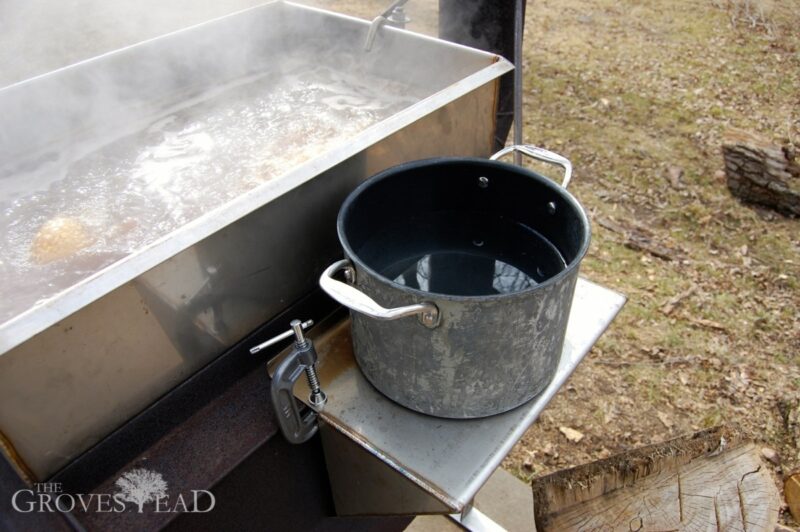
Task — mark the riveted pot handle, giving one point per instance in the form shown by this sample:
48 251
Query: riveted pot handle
357 300
540 154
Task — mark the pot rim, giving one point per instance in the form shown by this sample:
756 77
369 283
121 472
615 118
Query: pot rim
437 161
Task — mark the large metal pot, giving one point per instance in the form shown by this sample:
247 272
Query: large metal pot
485 254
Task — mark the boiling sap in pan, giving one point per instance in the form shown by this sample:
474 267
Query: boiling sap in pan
468 254
79 210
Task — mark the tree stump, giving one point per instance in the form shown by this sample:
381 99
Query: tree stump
713 480
761 172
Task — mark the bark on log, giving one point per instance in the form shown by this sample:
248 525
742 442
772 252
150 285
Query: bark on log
759 171
714 480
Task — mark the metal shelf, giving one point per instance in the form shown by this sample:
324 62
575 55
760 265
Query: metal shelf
447 459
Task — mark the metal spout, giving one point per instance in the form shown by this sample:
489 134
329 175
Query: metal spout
394 15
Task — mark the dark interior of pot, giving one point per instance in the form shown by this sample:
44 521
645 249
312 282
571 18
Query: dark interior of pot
464 227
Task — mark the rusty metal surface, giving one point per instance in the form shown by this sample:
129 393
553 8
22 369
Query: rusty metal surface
215 432
281 487
13 521
199 452
172 411
451 459
196 435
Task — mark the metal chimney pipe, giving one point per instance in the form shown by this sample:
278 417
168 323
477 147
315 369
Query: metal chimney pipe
518 32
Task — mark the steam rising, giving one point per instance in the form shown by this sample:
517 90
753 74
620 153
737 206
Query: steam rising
122 150
131 147
463 21
38 36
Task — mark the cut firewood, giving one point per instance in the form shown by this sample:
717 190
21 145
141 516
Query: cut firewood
791 490
761 172
711 480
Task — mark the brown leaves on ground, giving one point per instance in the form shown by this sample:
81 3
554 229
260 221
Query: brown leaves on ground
572 435
639 98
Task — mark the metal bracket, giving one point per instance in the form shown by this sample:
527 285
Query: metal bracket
474 520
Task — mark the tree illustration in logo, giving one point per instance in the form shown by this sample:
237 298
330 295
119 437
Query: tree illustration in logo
141 486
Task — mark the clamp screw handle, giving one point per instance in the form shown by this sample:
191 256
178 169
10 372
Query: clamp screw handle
297 330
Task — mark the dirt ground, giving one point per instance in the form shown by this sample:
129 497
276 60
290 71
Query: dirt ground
637 94
634 92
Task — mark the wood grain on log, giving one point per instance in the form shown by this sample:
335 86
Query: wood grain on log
761 172
714 480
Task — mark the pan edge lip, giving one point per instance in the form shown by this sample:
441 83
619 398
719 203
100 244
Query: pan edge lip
350 254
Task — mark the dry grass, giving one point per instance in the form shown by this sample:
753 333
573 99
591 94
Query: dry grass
755 13
630 92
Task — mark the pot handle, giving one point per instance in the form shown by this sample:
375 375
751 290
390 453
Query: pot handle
354 299
540 154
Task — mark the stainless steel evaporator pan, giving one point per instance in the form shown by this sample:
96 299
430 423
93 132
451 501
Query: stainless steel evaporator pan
78 364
